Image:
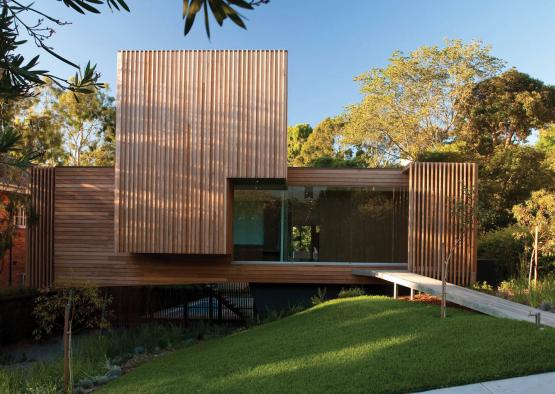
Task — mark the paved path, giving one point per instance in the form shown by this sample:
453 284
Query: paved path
472 299
534 384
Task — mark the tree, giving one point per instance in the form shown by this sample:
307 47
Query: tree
321 142
41 133
18 21
508 177
220 9
504 109
546 144
537 215
296 137
410 106
87 123
465 210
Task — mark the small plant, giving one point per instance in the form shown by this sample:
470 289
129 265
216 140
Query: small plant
276 314
90 309
351 292
484 287
319 297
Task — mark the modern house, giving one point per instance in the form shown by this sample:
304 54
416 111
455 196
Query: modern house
201 192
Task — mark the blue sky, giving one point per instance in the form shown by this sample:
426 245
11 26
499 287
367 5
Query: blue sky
329 42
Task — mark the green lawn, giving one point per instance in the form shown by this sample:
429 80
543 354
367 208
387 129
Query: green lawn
364 344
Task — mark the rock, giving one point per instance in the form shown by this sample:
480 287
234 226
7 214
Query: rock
114 372
139 350
122 358
79 390
102 380
85 383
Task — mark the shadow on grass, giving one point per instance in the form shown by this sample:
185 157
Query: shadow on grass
365 344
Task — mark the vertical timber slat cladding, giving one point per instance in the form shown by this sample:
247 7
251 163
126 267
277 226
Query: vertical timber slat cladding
437 194
187 122
40 241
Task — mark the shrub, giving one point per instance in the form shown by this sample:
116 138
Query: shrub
93 355
351 292
276 314
504 248
10 293
319 297
542 293
89 310
483 287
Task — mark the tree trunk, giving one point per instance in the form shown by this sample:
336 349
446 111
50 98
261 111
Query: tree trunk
535 255
67 345
444 290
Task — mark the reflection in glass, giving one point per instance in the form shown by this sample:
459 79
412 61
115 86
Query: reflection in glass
327 224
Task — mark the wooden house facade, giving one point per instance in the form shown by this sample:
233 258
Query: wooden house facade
201 191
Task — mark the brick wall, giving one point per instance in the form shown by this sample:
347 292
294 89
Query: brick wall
18 255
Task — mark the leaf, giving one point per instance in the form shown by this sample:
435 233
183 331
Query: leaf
206 21
217 11
194 7
242 4
234 16
63 59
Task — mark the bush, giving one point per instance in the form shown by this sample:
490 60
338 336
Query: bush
89 310
352 292
504 248
273 314
542 293
319 297
484 287
10 293
93 355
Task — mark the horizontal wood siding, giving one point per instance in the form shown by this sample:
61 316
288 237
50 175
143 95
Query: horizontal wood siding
435 190
84 247
361 177
40 229
187 121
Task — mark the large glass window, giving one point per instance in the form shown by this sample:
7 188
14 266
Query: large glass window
320 223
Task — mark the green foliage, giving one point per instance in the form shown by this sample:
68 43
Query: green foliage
220 10
546 144
519 290
87 123
9 293
319 297
505 248
504 110
351 292
90 309
335 162
92 356
352 345
20 77
539 213
410 106
508 177
484 287
296 137
277 314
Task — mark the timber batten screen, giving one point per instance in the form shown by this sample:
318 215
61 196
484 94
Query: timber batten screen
435 191
187 122
40 231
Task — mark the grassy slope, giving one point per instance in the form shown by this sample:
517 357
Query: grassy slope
364 344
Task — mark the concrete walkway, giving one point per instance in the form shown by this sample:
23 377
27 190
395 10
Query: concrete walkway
472 299
534 384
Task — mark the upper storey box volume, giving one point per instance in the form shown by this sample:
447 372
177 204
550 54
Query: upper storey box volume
187 123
